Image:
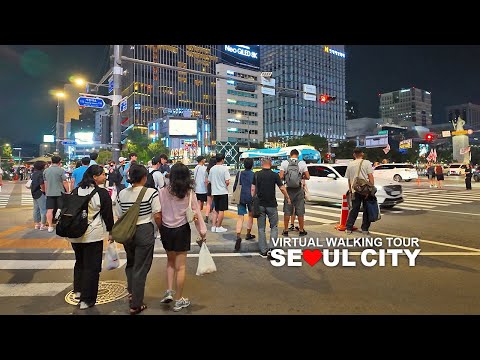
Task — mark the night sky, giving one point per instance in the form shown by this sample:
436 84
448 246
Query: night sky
28 74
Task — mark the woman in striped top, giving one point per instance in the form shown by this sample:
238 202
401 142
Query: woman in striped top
140 249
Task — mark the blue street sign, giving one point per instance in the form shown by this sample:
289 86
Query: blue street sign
110 85
91 102
123 105
69 142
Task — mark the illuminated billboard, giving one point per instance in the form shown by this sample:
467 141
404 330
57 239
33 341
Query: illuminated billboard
84 138
247 56
48 138
376 141
182 127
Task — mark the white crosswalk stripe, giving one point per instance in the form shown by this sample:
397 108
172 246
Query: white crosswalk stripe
414 200
4 200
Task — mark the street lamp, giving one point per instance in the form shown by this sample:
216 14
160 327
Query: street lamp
59 95
82 82
239 116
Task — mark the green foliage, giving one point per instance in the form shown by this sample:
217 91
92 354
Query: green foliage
139 143
104 156
6 151
344 150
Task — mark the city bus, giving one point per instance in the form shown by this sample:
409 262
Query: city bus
307 153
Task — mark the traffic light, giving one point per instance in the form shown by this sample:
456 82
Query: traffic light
326 98
429 137
327 156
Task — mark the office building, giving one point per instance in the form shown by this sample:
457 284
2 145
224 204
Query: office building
407 104
239 117
154 92
468 112
292 67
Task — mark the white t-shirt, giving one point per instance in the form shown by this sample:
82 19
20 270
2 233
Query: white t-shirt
158 178
97 230
150 203
302 166
217 177
352 170
199 176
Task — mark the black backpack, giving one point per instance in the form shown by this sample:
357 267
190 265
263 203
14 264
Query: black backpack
150 181
73 221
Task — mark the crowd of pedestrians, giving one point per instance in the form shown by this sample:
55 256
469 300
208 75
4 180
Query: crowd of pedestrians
165 194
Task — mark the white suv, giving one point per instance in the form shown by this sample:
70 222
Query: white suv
327 183
396 172
457 169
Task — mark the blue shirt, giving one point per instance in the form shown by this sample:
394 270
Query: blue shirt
77 174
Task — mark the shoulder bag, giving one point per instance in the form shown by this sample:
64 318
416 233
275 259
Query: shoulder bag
190 214
361 186
235 200
124 229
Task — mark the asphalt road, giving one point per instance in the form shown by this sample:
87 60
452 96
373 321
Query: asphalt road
37 267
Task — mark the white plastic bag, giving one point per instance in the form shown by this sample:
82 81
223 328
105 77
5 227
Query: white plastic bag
28 184
111 257
206 264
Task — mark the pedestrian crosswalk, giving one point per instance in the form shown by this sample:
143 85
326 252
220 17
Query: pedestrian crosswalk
415 199
4 200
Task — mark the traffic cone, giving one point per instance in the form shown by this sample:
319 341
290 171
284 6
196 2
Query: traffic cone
344 216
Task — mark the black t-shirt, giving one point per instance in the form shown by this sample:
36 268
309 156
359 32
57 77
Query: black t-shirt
37 180
468 173
265 181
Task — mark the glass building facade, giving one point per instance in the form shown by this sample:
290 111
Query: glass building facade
157 92
292 66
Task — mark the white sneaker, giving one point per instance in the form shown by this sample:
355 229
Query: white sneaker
43 227
84 305
50 229
77 295
220 229
213 229
180 304
37 226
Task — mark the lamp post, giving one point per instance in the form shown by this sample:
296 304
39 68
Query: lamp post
59 132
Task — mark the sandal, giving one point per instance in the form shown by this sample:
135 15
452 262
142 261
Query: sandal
135 311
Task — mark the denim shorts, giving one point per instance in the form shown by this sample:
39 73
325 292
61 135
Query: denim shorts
242 209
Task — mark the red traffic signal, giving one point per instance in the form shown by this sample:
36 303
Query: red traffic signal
429 137
326 98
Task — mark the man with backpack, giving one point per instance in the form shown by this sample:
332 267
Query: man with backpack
155 178
292 171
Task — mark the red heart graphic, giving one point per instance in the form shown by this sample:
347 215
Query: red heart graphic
312 256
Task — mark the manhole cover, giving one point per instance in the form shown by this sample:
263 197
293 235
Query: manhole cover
108 291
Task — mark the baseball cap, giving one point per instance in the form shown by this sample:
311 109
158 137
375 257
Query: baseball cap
155 160
121 158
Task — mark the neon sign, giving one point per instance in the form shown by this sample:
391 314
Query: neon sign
243 50
334 52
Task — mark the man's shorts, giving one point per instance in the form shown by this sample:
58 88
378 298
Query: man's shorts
297 197
221 202
244 209
201 197
54 202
